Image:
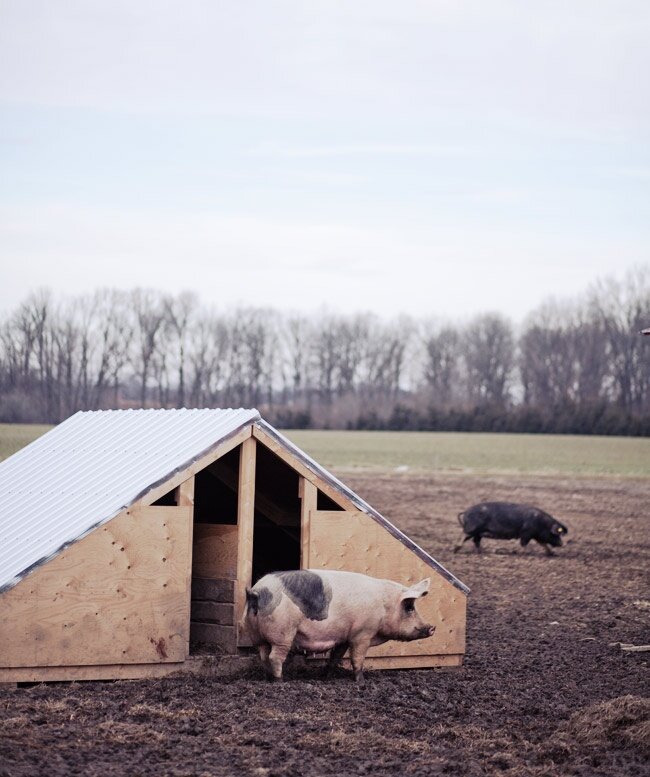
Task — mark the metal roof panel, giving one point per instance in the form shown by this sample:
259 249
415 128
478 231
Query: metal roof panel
90 467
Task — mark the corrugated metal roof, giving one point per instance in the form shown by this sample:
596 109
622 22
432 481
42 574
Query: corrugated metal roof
88 469
85 471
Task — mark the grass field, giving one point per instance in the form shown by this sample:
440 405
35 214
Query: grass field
445 451
13 437
480 453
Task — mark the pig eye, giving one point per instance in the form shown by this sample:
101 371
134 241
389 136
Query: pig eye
409 605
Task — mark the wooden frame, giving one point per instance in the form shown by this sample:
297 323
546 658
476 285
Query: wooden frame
245 524
225 446
309 498
289 459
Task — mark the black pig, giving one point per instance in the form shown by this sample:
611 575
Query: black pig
510 521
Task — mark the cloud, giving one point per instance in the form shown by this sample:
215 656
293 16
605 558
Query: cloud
639 173
550 65
295 264
362 149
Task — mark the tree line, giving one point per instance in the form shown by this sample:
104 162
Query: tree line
573 366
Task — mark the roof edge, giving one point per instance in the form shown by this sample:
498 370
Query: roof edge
72 540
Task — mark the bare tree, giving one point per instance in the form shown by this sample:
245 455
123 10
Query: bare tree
442 369
111 347
296 346
488 350
114 330
149 317
622 309
179 312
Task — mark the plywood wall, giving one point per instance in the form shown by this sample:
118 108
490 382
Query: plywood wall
354 541
215 550
120 595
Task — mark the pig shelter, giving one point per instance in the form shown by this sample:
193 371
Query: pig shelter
128 538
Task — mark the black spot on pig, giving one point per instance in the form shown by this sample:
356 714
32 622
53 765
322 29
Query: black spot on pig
308 591
260 599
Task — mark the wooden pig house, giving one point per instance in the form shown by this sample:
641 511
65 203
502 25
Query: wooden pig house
128 537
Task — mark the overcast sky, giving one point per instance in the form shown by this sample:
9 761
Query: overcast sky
437 158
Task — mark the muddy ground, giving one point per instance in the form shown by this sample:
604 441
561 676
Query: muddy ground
545 690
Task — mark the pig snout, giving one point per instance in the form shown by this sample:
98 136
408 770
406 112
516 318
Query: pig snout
425 631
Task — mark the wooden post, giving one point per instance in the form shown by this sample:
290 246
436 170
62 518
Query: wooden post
185 493
309 495
245 523
185 498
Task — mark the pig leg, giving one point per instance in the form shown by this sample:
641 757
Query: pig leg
358 655
477 542
277 657
549 552
264 651
336 655
461 540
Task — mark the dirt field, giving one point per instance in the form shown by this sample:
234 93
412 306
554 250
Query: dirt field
545 690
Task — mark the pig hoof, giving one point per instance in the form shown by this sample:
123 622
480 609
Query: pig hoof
359 678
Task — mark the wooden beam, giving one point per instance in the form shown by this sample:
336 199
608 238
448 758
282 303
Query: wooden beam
213 612
263 504
213 590
185 493
309 497
216 453
245 523
220 665
282 453
48 674
215 634
185 498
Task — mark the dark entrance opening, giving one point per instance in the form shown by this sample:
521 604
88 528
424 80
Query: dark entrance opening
276 533
214 556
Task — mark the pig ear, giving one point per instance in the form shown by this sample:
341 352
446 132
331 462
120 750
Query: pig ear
418 590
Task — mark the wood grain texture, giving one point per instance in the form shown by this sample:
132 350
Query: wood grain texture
355 542
213 612
196 466
49 674
185 498
212 633
308 496
213 590
214 550
245 526
120 595
282 453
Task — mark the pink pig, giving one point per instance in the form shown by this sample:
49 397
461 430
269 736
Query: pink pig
324 610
